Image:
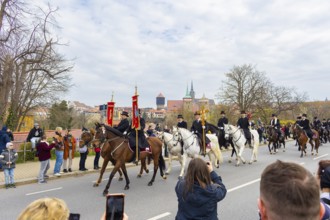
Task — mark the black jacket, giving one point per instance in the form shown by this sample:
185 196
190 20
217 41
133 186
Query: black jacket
243 123
123 125
276 124
34 133
182 124
305 124
222 122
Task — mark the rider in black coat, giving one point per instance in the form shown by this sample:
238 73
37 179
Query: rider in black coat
123 125
181 122
221 124
243 123
197 128
304 123
275 123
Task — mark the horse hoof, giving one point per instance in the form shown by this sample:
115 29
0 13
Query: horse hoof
147 171
150 184
255 161
105 192
250 162
312 153
244 162
126 187
95 185
164 177
120 179
217 166
139 176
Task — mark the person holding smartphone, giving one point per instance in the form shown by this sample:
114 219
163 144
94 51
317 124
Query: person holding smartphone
199 192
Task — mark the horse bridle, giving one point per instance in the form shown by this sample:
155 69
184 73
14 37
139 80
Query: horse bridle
103 140
180 136
240 135
167 142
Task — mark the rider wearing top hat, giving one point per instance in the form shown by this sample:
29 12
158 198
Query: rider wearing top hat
197 128
243 123
221 124
316 123
304 123
123 125
275 123
181 122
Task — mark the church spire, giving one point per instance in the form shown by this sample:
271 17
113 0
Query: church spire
192 92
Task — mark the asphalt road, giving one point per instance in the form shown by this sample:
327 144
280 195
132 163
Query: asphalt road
158 201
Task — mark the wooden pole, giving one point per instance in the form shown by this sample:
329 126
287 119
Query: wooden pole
137 137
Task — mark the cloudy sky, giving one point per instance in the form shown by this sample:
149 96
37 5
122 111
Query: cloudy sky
161 46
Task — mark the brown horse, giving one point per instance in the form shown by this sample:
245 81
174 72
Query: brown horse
119 153
302 139
274 138
86 139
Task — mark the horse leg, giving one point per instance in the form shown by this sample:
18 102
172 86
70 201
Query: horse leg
114 171
269 148
168 171
143 164
123 168
162 166
155 171
104 165
183 164
311 143
283 145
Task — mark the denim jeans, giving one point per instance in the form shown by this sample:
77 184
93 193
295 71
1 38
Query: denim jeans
44 166
9 176
59 161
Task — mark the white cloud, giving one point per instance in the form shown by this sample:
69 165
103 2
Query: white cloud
160 46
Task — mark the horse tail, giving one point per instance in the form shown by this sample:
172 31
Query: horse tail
162 164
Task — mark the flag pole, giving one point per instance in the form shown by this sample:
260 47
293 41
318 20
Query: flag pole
136 136
203 111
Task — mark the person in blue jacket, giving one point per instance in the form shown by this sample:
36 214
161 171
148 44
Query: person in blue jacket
199 192
4 139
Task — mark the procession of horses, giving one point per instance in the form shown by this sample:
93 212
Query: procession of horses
183 144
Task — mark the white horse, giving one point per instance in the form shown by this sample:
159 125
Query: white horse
240 140
174 149
191 145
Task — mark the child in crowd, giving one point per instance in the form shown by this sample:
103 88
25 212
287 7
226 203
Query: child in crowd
8 158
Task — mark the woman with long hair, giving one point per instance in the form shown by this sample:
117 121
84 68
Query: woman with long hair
199 192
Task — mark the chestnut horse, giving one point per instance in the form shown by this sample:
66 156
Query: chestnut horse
119 153
302 139
86 139
275 140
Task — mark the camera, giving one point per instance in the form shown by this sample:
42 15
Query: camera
115 206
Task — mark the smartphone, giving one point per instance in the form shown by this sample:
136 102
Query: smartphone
74 216
115 206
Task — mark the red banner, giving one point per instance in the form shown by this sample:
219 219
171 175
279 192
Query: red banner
135 113
111 106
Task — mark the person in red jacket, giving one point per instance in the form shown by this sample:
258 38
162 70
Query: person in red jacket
43 149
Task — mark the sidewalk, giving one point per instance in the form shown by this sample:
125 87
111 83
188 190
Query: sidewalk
28 172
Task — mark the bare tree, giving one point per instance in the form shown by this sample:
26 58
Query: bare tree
32 72
244 87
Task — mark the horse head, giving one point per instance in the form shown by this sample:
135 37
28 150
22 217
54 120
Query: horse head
176 134
227 130
86 138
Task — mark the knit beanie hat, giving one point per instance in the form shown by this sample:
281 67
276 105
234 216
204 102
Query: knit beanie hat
325 178
9 144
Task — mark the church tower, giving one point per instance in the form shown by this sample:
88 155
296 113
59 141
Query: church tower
187 101
192 92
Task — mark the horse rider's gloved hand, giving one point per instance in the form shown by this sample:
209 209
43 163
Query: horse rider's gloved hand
203 127
221 128
125 132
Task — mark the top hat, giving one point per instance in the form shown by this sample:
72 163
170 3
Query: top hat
299 117
274 115
304 115
197 113
324 119
315 117
243 112
124 113
180 116
222 113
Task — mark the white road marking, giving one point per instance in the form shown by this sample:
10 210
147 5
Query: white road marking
102 180
29 194
316 158
160 216
243 185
